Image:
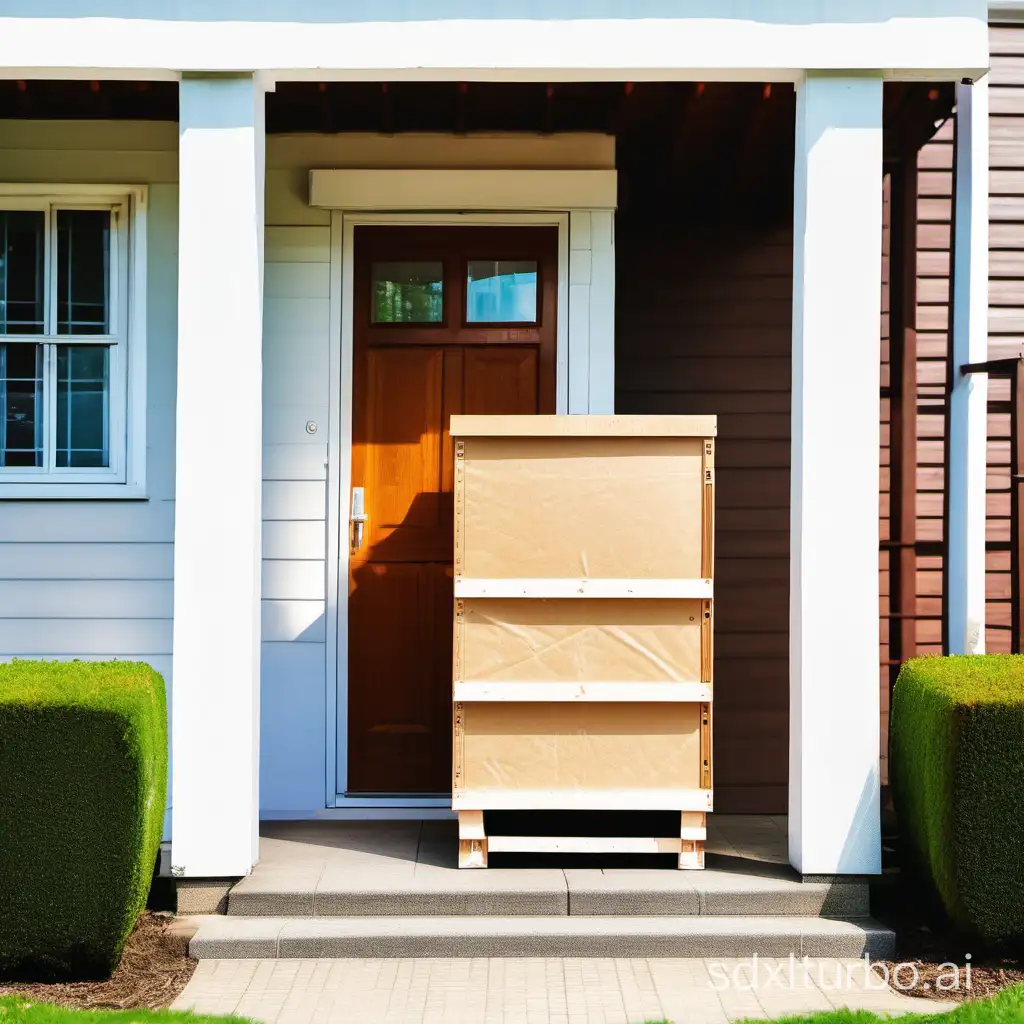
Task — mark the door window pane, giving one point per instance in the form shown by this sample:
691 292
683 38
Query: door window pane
83 406
408 293
502 291
21 271
21 401
83 271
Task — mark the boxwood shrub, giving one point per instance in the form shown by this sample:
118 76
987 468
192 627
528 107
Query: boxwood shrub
83 780
957 775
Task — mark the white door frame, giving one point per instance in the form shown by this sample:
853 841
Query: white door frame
339 470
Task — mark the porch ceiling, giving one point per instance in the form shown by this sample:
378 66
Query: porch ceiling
725 146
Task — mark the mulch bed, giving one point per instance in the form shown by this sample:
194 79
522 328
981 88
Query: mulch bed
928 950
154 969
925 939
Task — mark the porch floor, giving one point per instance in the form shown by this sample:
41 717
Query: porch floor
407 868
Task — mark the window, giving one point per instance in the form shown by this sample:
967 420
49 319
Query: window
408 293
67 345
501 291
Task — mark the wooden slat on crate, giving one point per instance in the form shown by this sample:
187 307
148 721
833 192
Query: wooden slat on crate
542 587
584 799
585 426
568 692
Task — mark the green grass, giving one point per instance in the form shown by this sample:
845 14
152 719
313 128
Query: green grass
1005 1008
83 778
957 774
16 1010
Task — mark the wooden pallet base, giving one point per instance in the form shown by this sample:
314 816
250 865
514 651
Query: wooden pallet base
475 844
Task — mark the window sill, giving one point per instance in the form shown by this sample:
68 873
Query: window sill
72 492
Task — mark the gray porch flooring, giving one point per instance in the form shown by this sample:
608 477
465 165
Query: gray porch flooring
393 889
409 868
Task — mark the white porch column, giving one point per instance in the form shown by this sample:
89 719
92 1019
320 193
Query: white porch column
837 273
968 403
215 827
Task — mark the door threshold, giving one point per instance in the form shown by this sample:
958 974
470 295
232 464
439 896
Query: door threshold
360 795
394 801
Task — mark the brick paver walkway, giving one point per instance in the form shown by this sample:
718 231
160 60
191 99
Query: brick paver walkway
533 990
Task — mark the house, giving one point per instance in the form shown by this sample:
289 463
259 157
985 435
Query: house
285 235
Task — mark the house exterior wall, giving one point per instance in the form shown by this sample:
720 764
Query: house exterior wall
95 579
704 323
1006 340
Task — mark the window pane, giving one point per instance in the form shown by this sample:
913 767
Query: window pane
83 406
502 291
408 293
83 271
21 271
21 398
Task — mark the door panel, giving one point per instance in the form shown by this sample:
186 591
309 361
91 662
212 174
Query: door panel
403 455
396 614
409 379
500 381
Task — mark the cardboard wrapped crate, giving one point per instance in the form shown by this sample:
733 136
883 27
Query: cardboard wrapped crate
584 554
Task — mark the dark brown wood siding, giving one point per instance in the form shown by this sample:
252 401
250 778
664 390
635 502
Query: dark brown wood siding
704 326
1006 305
1006 339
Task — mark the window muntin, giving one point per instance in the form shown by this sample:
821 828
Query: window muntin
63 270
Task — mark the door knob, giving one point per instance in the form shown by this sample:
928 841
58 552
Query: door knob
358 517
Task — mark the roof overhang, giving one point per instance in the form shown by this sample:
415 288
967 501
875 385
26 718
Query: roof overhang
701 40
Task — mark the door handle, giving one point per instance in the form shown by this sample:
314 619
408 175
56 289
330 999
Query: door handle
358 517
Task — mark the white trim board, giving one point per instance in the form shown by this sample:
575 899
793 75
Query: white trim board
708 40
592 348
403 189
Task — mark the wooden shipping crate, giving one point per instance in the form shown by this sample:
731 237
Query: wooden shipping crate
584 553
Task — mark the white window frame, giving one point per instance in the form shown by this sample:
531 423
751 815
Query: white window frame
126 342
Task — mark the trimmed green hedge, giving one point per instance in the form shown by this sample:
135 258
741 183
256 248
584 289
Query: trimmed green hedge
956 768
83 785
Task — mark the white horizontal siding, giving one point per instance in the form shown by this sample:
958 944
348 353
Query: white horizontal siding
307 280
85 599
297 245
292 727
295 462
294 580
294 539
87 522
100 561
294 621
111 638
294 499
296 392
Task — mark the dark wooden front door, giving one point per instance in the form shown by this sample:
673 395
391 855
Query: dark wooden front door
447 320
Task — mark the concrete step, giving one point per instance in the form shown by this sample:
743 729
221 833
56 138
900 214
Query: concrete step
232 937
545 892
